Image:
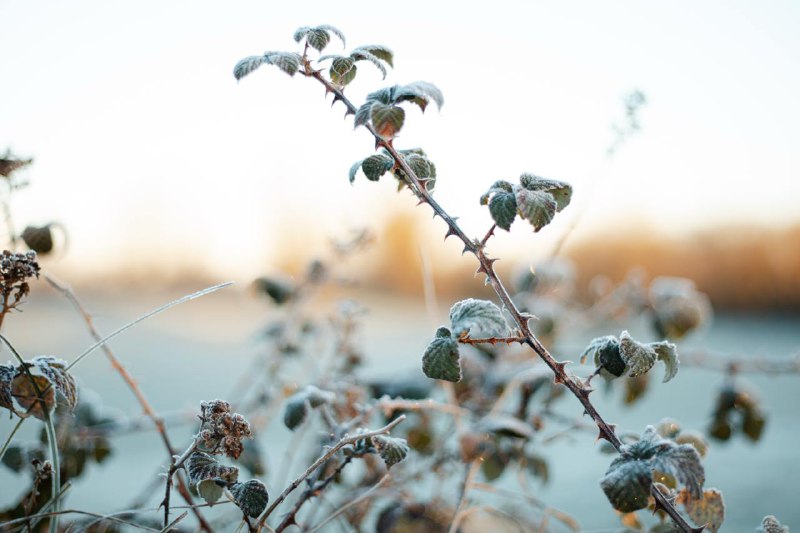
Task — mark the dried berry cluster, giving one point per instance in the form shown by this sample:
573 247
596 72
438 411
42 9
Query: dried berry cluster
223 431
16 269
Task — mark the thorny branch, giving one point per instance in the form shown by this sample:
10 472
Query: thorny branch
477 248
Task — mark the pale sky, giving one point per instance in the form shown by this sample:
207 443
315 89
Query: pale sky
146 146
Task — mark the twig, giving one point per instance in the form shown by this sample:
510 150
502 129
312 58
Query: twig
487 268
466 339
52 514
344 441
172 524
459 513
177 463
364 495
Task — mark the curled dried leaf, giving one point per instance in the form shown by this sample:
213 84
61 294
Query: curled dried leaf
708 510
392 450
208 476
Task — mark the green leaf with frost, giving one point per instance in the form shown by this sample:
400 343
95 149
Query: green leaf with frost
289 62
246 66
420 93
360 54
296 411
478 318
343 71
537 207
251 497
376 166
387 119
639 358
605 354
379 51
392 450
629 478
209 477
497 187
334 30
560 190
362 115
503 208
354 170
317 39
441 357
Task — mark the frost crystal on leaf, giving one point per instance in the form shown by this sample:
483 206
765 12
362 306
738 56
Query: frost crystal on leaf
628 481
392 450
478 318
251 497
441 357
208 476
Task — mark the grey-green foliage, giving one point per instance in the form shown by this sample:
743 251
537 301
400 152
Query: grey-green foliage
478 318
615 357
381 108
629 478
534 199
392 450
343 69
251 497
441 358
289 62
209 477
299 403
379 164
318 37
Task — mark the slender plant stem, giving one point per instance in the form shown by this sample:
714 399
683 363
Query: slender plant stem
486 267
11 437
344 441
460 512
366 494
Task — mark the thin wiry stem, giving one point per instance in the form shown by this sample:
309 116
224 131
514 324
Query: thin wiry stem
11 437
486 267
352 502
344 441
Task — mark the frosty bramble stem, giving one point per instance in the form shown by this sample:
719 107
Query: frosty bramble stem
477 248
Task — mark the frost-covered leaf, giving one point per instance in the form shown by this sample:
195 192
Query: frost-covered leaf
537 207
38 238
708 511
627 484
503 208
639 358
677 307
497 186
605 353
695 439
296 411
343 71
376 166
317 39
387 119
251 497
334 30
560 190
300 33
208 476
392 450
55 370
246 66
506 426
379 51
289 62
420 93
354 170
441 357
478 318
362 114
629 478
668 354
49 378
361 54
6 376
770 524
317 396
